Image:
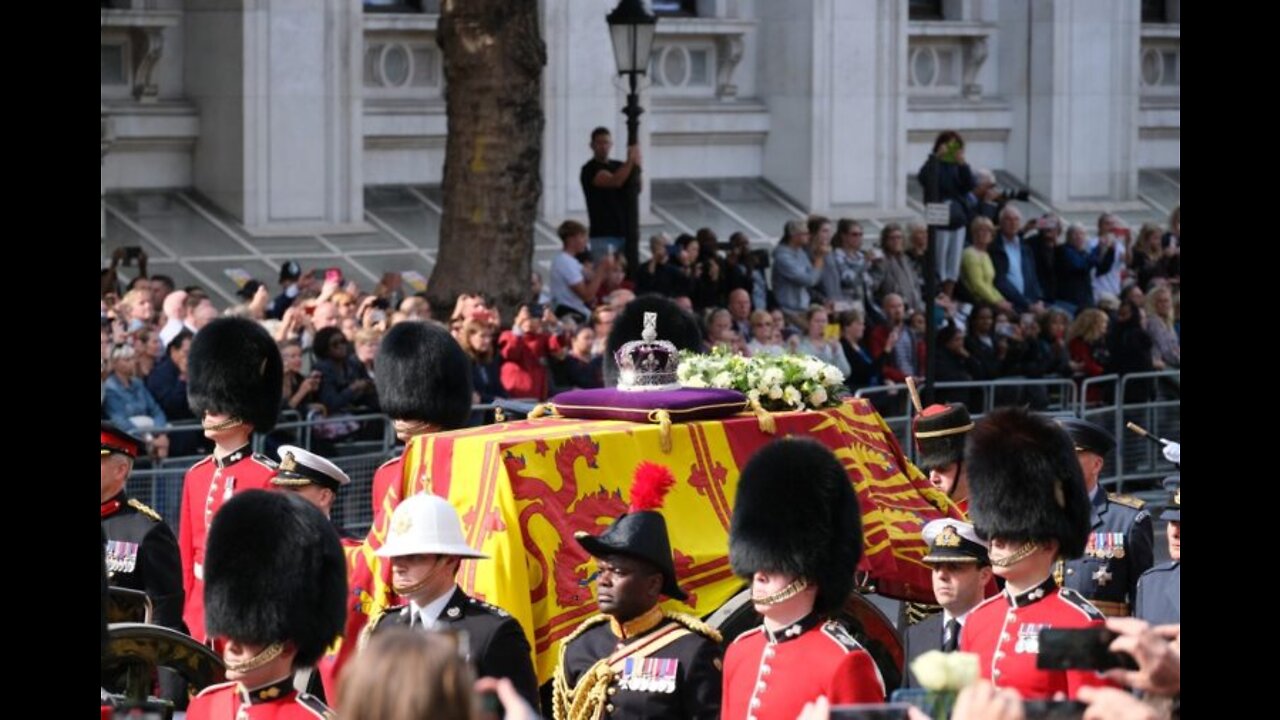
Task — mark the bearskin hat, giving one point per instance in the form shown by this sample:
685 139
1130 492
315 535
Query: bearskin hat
275 572
940 431
796 512
1025 482
234 367
424 375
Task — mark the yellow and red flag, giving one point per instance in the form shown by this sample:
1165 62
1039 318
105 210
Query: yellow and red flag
523 489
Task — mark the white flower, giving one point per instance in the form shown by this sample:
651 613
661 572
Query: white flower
930 670
962 670
753 394
791 396
722 380
831 375
818 397
775 392
813 368
695 382
771 376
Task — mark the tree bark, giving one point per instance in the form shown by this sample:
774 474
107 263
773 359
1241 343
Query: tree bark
493 59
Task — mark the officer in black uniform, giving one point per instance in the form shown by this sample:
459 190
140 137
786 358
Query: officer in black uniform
142 553
1159 599
316 479
636 660
1119 547
426 546
961 573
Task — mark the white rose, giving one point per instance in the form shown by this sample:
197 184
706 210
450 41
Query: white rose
831 375
962 670
772 376
791 396
818 397
722 380
695 382
930 670
775 392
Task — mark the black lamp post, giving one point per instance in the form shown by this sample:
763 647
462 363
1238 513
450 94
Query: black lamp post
631 27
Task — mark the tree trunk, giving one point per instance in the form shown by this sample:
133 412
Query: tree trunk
493 59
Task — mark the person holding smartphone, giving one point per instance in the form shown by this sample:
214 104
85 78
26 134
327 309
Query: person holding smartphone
1029 501
947 171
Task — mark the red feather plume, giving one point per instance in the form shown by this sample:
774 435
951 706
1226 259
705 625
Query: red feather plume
650 485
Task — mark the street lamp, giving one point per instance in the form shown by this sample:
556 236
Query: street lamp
631 27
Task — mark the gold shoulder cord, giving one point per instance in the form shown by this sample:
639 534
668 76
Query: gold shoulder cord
567 702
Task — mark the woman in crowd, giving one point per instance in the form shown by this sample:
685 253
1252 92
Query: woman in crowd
977 271
147 349
1166 351
898 276
1087 344
300 392
816 344
984 348
345 387
946 167
1146 257
135 309
765 339
128 403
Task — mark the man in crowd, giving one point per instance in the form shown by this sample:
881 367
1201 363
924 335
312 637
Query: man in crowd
604 186
795 271
635 660
1015 264
1119 549
572 292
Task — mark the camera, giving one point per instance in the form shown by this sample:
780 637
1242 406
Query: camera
1005 194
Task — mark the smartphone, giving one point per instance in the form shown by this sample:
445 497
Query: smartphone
1080 649
131 253
831 332
1053 709
490 706
871 711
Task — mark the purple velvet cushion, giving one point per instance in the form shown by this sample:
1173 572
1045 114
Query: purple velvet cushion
682 405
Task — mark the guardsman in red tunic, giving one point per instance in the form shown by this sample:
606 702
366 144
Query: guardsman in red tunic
940 431
274 594
424 386
235 374
796 534
316 479
1029 500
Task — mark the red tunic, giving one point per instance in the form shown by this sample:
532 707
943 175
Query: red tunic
208 484
277 701
772 675
1004 631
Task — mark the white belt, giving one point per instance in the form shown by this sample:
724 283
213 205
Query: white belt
198 570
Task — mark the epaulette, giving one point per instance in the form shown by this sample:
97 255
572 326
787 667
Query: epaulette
1079 602
315 706
841 635
491 608
372 624
586 625
1126 500
264 460
918 612
695 625
140 507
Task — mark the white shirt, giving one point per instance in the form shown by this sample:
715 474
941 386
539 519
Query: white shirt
427 615
566 271
170 331
1108 282
947 617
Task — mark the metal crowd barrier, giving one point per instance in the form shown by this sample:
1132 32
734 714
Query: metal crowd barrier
1150 399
